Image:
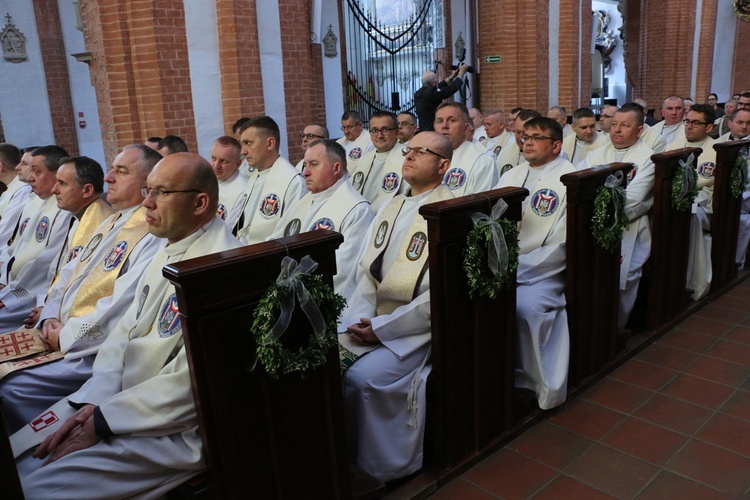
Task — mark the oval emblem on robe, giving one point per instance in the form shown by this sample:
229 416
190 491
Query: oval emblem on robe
92 245
222 211
293 227
41 229
142 301
707 169
169 317
454 178
358 180
416 245
506 167
631 174
482 138
355 153
545 202
497 150
23 226
390 182
323 223
269 207
380 234
73 253
115 255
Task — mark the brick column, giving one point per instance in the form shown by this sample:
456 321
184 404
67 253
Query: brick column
706 51
574 56
140 70
741 73
56 74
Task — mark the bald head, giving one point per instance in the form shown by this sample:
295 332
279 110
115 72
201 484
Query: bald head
429 78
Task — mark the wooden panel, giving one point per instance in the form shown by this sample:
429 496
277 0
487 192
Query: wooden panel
473 341
725 219
11 484
274 438
591 277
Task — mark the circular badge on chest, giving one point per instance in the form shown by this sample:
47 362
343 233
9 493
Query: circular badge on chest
323 223
707 169
545 202
454 178
355 153
390 182
269 207
42 228
115 255
169 317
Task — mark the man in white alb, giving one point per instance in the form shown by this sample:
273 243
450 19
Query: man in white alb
585 139
356 140
671 127
226 158
311 133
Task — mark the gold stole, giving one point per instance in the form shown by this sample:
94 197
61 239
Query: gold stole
399 285
94 215
100 281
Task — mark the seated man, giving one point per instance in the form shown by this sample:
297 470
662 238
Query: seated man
543 338
90 296
497 135
673 112
312 132
511 155
23 203
273 186
377 175
331 203
560 115
135 431
585 139
356 141
407 127
171 144
10 156
473 169
226 158
626 146
476 119
391 309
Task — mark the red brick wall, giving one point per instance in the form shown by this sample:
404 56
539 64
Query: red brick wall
741 76
706 51
572 55
239 60
56 74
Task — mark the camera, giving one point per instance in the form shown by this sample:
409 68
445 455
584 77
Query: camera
461 57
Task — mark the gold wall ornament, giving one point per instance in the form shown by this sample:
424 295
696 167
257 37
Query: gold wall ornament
742 8
13 42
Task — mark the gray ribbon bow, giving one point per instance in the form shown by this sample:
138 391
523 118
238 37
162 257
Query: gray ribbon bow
497 253
687 177
614 184
289 277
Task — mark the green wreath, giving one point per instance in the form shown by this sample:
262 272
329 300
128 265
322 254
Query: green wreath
482 282
738 174
276 358
684 203
606 227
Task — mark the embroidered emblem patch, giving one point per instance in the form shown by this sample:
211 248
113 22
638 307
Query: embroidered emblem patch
390 182
115 255
323 223
416 245
269 206
357 180
545 202
73 253
92 245
506 167
497 150
169 317
707 169
222 211
293 227
482 138
23 226
41 229
454 178
142 301
631 174
43 421
355 153
380 234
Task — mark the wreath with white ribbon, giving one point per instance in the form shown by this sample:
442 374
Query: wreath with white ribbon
609 220
685 185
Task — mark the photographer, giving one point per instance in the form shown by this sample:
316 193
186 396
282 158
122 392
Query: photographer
433 92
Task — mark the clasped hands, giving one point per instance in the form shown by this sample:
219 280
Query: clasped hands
77 433
362 332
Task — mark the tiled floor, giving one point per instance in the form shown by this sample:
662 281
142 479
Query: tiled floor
672 422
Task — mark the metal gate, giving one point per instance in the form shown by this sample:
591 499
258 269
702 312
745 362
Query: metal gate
386 57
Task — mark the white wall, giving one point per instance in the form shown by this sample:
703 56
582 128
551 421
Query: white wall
333 86
724 40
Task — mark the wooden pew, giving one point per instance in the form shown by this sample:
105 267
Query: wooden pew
262 438
725 219
473 341
11 489
666 295
591 278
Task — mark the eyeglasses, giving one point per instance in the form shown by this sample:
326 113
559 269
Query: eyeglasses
535 138
384 130
160 194
693 123
407 124
741 104
421 151
347 128
310 137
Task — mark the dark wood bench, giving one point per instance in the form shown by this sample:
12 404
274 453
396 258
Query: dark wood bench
11 484
591 277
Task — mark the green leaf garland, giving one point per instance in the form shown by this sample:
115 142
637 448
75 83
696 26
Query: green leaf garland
684 203
482 282
605 228
738 174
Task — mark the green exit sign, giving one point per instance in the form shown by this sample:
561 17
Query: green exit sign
492 59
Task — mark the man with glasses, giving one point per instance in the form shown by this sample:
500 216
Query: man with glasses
355 141
135 432
384 390
543 339
226 158
377 175
473 169
407 127
89 297
331 203
274 184
511 155
626 146
713 101
699 122
671 128
313 132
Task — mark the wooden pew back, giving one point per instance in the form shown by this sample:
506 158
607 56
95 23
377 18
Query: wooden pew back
264 438
11 484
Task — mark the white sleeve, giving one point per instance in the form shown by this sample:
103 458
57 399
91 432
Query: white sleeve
640 192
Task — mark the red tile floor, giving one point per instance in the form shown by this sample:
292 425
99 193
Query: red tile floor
672 422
